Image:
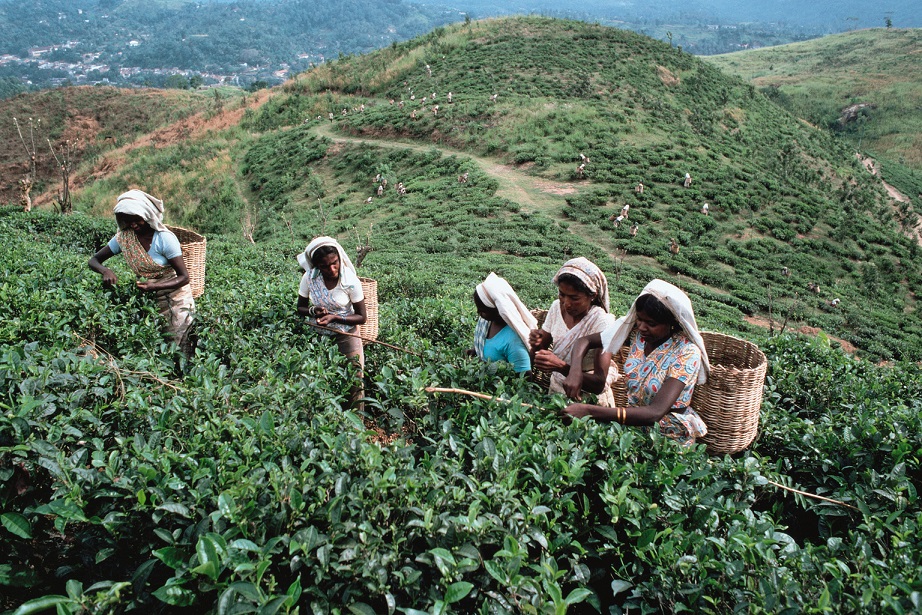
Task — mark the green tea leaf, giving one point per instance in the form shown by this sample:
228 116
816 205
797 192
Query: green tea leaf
457 591
17 524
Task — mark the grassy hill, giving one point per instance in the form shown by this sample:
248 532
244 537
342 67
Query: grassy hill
97 118
817 79
135 479
781 193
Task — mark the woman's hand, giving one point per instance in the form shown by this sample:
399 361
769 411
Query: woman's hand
96 264
317 312
145 285
109 278
576 411
547 361
327 319
573 385
539 339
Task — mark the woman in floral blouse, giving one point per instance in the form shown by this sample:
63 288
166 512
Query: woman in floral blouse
666 360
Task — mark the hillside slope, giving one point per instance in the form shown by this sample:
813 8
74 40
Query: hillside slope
97 119
534 94
873 72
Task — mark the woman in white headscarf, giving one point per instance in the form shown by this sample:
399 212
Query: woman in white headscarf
581 308
331 296
154 254
667 358
504 325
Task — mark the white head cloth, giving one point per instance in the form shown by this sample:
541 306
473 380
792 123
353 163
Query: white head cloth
346 270
676 302
495 292
139 203
589 273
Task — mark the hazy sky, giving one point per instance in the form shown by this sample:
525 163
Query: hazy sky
833 15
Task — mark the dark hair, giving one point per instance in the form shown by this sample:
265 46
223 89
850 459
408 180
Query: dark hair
321 253
575 282
483 307
656 310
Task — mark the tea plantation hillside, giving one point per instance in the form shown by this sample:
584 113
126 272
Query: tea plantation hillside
780 193
134 480
874 70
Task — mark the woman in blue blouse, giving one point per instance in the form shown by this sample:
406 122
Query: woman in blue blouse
502 331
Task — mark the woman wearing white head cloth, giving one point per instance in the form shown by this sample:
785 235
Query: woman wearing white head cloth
152 252
667 359
331 296
581 308
502 331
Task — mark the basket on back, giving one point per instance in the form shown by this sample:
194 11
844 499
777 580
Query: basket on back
729 401
369 330
193 254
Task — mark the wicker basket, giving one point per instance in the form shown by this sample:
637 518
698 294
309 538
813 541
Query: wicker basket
729 402
193 253
369 330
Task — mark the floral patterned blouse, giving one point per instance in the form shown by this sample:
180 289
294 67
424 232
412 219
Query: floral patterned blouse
678 357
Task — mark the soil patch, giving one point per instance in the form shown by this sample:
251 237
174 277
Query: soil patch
759 321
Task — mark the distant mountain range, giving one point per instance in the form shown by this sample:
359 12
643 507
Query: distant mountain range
250 43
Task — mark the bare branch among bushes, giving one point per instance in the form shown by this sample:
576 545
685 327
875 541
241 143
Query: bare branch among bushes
787 314
26 183
64 157
249 222
362 249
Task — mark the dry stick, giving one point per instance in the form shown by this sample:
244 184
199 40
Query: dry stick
113 365
810 495
365 339
474 394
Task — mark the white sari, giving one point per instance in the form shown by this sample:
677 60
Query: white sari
596 320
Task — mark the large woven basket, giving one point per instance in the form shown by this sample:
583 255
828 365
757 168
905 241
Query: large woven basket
730 400
369 330
193 254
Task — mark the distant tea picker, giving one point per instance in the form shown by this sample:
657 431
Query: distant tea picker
154 254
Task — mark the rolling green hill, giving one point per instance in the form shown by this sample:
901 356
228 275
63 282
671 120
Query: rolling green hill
781 193
135 479
818 79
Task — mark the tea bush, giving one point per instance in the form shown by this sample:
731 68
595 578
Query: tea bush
238 480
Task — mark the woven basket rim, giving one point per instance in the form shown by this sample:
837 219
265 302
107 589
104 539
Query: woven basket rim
196 236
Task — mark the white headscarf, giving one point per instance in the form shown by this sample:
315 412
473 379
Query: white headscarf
495 292
139 203
676 302
347 274
590 274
